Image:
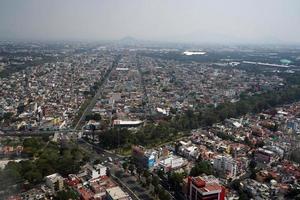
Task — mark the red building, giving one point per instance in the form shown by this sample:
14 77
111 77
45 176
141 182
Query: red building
204 188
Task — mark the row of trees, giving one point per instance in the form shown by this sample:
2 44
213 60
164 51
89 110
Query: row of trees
152 134
152 181
148 180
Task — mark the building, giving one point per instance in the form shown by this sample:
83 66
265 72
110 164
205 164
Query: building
293 125
55 182
203 188
144 158
172 162
225 165
93 172
116 193
263 155
127 124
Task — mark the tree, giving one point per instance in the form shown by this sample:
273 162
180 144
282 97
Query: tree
146 173
95 116
125 166
66 194
7 115
34 176
176 179
260 144
93 128
45 167
252 174
148 180
252 164
243 196
293 193
97 161
118 173
20 108
295 155
247 141
31 145
157 189
200 168
139 171
177 145
160 173
155 181
131 168
163 195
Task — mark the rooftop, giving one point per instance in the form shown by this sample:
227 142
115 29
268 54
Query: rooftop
116 193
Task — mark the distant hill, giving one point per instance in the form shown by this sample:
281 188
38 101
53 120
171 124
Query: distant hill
128 41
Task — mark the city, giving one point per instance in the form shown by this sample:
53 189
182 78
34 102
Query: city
143 119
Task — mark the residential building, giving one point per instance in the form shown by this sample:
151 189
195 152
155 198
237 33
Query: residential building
203 188
144 158
55 182
225 165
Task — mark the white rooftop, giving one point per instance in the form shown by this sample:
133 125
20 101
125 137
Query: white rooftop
127 122
116 193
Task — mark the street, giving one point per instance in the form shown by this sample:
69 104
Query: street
127 181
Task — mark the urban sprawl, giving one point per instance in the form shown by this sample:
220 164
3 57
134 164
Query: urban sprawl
149 121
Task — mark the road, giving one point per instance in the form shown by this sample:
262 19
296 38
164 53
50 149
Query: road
146 108
83 115
127 181
132 183
98 93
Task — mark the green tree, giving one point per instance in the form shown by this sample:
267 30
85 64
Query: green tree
200 168
155 180
66 194
157 190
131 168
34 176
125 166
252 164
146 173
176 180
164 195
148 180
97 161
139 171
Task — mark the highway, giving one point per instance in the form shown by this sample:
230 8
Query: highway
98 93
87 110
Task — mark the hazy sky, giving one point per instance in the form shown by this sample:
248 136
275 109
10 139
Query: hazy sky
270 21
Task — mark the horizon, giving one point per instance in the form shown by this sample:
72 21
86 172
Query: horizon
197 22
137 41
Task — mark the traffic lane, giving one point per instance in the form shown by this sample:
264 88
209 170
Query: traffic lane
134 185
101 150
141 192
130 181
125 178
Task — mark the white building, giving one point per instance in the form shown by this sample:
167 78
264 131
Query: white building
127 123
226 165
116 193
55 182
189 151
94 171
171 162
